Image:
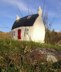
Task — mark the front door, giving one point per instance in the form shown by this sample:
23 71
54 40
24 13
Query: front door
19 33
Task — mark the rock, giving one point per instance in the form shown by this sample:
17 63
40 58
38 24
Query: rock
51 58
42 54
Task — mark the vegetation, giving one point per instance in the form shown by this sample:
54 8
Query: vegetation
53 37
13 59
5 35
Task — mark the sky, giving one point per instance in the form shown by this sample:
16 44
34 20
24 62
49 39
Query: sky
9 9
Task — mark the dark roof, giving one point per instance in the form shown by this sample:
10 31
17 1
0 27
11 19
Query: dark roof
25 21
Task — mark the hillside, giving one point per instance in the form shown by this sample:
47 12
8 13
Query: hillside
16 56
4 35
25 56
53 37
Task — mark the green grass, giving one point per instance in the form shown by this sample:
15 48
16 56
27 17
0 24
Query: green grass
12 53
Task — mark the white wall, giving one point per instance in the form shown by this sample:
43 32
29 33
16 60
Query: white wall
38 31
24 36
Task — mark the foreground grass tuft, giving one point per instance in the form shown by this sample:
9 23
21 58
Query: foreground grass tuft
12 57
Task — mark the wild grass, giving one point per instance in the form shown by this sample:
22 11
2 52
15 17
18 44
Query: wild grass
12 55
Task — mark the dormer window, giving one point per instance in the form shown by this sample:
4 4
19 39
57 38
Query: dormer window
28 17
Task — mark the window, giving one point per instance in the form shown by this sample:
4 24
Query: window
13 33
28 17
26 30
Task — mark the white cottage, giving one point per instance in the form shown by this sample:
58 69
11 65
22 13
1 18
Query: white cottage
29 28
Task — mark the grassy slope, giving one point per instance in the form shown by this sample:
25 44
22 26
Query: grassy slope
4 35
30 44
12 52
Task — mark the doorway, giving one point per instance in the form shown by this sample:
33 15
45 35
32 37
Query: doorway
19 33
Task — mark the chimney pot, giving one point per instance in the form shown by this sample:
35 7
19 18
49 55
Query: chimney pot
17 17
40 11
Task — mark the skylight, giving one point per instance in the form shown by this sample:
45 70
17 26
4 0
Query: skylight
28 17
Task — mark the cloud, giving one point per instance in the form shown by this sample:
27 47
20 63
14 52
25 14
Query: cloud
21 5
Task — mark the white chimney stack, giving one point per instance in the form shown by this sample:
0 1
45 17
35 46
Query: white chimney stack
17 18
40 11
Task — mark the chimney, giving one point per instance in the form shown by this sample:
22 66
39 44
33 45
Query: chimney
40 11
17 18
